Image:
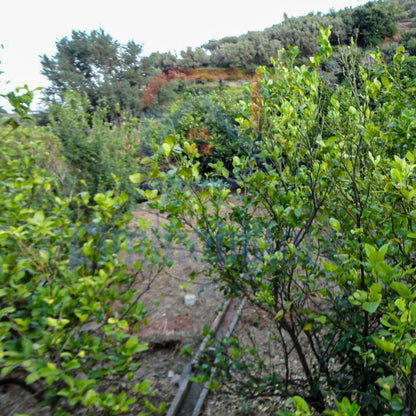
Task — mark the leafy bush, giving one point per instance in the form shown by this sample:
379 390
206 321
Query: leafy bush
322 223
408 70
60 280
409 41
372 23
96 151
207 119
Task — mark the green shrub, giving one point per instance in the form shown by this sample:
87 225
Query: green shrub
323 222
60 280
372 23
208 119
96 151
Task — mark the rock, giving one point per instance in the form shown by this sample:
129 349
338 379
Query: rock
190 300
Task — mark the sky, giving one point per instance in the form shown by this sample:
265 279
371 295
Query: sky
29 29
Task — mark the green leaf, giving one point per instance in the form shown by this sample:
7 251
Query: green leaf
132 342
141 347
32 377
170 140
190 149
135 178
142 388
150 194
329 267
279 315
38 219
71 365
386 346
375 290
402 290
370 307
401 304
386 383
307 326
52 322
90 398
167 149
335 224
300 405
386 82
146 161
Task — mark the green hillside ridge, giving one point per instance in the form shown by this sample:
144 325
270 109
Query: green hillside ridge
116 74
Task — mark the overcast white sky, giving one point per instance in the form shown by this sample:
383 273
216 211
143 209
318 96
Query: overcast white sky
30 28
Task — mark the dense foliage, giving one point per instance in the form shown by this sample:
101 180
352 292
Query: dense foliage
319 233
100 154
208 119
94 64
115 75
322 224
60 277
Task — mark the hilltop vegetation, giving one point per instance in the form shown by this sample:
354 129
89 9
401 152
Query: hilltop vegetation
105 80
114 75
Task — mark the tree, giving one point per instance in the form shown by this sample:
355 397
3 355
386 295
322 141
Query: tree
164 61
372 23
97 151
66 296
95 64
319 235
194 58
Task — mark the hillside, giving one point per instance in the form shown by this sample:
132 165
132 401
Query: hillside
108 72
376 23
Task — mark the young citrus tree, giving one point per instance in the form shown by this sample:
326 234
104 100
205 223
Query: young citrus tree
318 234
59 281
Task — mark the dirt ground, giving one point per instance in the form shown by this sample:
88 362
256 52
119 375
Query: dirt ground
172 324
163 364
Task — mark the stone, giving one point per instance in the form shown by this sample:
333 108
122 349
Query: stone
190 300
